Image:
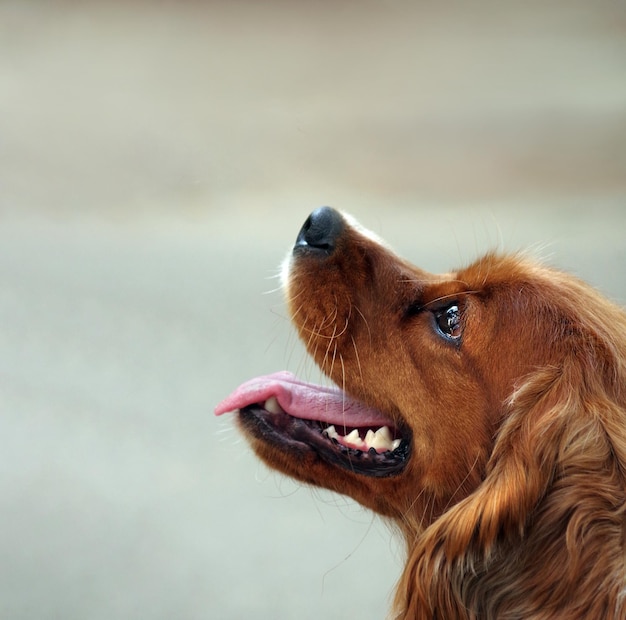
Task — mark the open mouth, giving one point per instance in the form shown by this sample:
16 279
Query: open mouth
297 416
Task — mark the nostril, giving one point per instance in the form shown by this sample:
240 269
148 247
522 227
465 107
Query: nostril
321 230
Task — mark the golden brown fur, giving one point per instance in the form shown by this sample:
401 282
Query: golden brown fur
513 501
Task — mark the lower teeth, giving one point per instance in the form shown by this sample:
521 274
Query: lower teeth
378 442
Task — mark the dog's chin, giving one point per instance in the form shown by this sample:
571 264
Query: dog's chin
310 440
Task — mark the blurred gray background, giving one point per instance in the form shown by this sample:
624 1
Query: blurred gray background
156 161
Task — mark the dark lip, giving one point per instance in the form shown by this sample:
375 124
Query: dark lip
299 437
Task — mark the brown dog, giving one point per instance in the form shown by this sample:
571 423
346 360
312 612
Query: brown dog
483 410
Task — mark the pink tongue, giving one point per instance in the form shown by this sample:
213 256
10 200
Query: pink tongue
303 400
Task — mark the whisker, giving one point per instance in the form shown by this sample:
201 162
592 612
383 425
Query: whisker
405 515
460 486
367 325
347 557
358 362
273 290
297 311
334 356
448 296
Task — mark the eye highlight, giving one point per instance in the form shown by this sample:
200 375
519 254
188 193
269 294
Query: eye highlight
448 322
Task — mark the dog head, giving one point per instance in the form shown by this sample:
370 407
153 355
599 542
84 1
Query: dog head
432 360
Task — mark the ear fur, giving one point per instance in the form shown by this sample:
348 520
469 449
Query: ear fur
513 548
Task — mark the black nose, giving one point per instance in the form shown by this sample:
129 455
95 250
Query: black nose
320 231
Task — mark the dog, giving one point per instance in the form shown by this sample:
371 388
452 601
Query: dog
482 411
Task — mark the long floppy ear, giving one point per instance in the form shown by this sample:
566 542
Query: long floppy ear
552 473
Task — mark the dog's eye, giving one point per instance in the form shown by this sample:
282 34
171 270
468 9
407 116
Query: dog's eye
448 321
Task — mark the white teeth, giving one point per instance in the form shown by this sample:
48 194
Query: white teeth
381 440
353 437
271 405
331 432
384 433
353 440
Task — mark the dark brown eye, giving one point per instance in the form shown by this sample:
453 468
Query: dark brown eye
448 322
